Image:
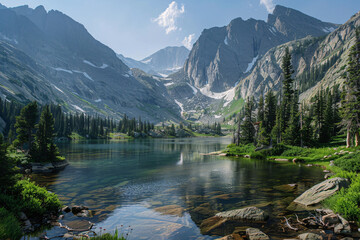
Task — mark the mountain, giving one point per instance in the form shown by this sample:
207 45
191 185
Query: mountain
319 62
219 73
85 75
162 62
224 55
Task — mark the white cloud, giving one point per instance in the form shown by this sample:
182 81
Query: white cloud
167 19
268 4
187 42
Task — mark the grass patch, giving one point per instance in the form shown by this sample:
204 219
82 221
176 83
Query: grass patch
9 225
346 202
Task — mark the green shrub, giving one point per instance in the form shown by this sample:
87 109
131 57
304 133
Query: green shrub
233 150
10 203
277 150
36 200
349 162
9 225
108 236
346 201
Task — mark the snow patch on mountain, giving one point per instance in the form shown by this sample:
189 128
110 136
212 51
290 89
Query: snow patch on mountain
78 108
251 64
226 41
228 95
62 70
328 29
180 105
58 88
84 73
193 88
93 65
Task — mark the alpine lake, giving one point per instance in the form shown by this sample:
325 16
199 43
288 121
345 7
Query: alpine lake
164 188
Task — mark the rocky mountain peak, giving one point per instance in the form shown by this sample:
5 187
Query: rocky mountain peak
224 55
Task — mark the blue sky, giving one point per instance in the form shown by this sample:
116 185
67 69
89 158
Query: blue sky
138 28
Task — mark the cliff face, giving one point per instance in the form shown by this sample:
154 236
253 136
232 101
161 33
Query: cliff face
323 57
223 56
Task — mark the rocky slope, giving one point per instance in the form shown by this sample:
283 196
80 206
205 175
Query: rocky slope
162 62
223 67
65 65
328 55
224 55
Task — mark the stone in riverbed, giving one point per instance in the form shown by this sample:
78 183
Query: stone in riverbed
256 234
77 209
231 237
79 225
174 210
343 227
249 213
310 236
66 209
321 191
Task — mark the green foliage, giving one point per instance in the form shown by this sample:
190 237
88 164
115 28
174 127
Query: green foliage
9 225
25 124
277 150
36 200
108 236
46 150
349 162
233 150
346 201
257 155
7 171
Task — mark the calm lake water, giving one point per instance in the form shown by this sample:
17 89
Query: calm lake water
164 188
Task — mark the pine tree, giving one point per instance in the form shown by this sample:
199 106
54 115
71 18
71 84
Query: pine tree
247 127
7 166
292 133
46 150
288 92
25 125
351 101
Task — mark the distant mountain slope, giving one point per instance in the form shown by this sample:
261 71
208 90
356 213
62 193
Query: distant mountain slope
85 75
162 62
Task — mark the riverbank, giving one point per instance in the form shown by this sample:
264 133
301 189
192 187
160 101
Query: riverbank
338 162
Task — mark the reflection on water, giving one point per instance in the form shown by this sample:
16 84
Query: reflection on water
165 188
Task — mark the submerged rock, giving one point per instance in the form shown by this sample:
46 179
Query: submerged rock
175 210
79 225
321 191
256 234
249 213
77 209
231 237
310 236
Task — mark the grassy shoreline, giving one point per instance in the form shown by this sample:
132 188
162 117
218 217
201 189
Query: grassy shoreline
343 162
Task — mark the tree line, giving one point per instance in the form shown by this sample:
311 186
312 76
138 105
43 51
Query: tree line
282 118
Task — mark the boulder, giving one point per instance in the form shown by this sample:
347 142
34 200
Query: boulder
343 227
310 236
321 191
66 209
249 213
42 168
256 234
77 209
79 225
84 213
